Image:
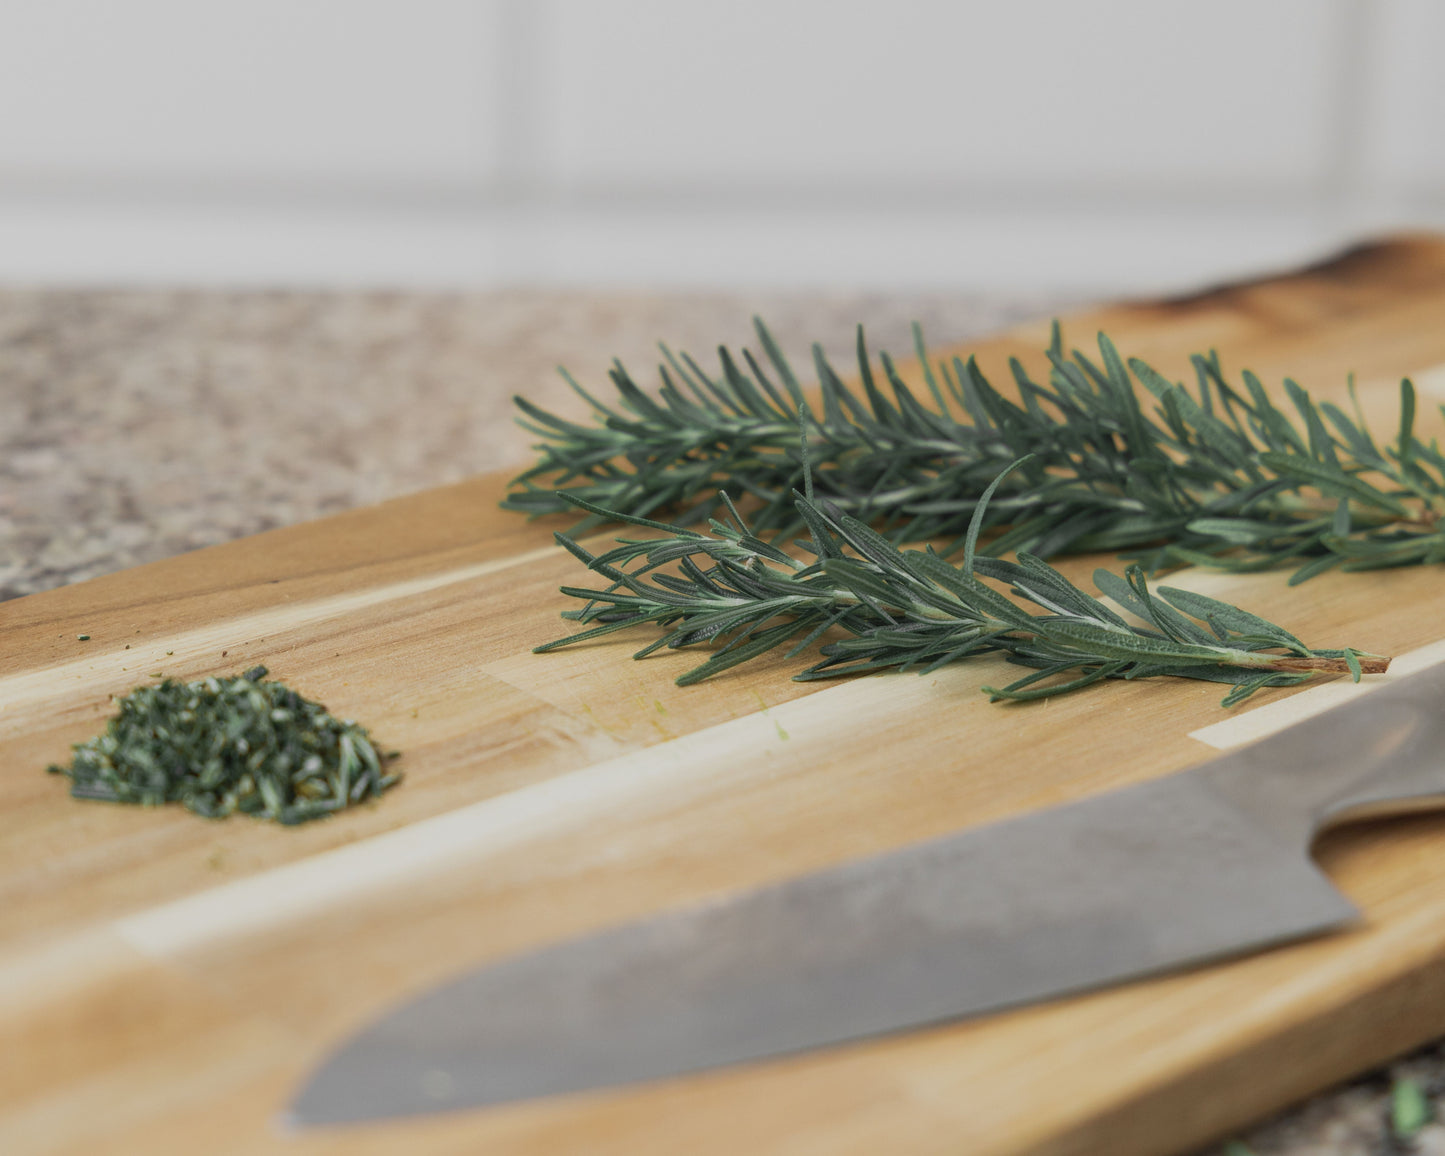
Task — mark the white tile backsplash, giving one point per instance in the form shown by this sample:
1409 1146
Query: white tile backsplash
1126 145
1008 251
164 94
1404 137
1133 95
1004 250
263 246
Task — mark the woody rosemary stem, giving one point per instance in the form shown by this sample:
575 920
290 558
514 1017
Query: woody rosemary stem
1369 664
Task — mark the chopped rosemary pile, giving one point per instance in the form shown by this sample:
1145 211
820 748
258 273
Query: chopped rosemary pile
912 609
222 745
1215 475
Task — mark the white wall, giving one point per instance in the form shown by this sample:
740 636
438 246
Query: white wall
1033 144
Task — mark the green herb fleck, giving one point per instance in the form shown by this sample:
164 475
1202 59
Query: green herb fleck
83 637
221 745
1409 1109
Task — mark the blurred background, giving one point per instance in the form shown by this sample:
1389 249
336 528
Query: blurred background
383 218
1133 146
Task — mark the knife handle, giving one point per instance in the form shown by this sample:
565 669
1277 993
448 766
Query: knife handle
1382 754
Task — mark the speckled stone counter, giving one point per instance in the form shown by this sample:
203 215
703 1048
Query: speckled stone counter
137 425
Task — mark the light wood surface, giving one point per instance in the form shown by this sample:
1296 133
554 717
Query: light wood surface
166 982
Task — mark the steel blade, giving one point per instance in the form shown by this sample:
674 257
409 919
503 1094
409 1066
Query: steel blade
1115 887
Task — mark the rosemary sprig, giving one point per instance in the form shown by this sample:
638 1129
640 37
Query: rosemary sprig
1215 475
913 610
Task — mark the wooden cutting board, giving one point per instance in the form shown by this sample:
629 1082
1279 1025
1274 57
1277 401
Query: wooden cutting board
166 982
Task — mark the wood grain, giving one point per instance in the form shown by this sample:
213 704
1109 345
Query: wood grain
165 982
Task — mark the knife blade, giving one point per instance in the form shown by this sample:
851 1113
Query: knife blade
1200 865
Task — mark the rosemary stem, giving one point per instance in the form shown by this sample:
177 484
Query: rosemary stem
1292 663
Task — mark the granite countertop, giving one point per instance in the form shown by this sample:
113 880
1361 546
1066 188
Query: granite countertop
139 424
136 425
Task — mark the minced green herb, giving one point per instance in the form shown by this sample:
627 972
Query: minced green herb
221 745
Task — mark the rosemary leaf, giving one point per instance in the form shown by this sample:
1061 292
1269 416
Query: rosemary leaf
912 609
1211 474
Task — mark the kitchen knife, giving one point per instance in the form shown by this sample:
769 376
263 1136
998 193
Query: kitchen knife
1199 865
